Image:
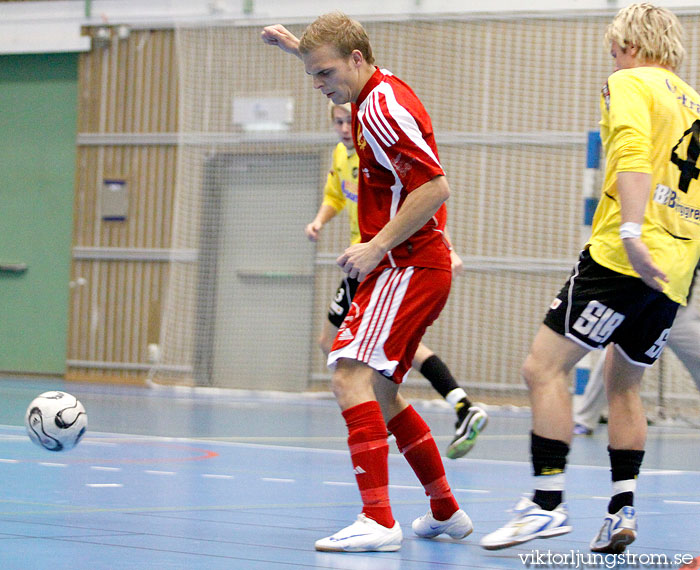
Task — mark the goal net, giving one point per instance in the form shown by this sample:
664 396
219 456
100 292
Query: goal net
512 101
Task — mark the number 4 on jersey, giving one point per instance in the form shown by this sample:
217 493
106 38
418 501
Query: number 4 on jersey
688 168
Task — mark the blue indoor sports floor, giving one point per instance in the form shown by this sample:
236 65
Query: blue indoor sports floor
210 479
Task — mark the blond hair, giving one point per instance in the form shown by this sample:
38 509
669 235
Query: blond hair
340 31
655 32
333 106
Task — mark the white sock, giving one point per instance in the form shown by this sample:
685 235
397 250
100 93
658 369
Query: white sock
454 396
624 486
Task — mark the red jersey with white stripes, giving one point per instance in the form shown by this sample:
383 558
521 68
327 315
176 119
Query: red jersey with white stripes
395 144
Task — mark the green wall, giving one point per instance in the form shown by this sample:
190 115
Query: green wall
38 121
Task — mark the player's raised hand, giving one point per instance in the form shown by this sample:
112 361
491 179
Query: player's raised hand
640 258
278 35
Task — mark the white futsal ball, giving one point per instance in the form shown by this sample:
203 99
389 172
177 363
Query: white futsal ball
56 421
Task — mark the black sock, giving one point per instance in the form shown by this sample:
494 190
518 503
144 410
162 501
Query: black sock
439 375
547 500
548 458
624 465
620 500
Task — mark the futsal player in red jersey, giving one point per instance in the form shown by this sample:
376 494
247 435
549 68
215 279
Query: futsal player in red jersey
403 265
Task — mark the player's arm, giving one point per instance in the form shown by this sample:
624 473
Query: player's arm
278 35
418 207
633 189
630 148
325 214
333 203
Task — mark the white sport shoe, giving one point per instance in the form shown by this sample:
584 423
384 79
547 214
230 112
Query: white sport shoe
618 530
364 535
530 522
458 525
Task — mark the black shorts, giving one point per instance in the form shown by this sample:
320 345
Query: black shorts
340 305
597 306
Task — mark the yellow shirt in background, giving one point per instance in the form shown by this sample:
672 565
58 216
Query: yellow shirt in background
341 187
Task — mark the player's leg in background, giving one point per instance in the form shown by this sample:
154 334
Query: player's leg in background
471 420
546 370
328 333
684 340
589 406
627 429
337 310
417 445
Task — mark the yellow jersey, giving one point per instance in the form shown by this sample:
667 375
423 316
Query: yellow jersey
341 187
650 122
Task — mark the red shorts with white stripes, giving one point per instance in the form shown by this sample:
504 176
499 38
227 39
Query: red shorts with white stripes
389 314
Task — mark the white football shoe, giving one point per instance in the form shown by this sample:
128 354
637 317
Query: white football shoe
530 522
618 530
457 526
364 535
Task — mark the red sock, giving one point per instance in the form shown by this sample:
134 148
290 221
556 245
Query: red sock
369 452
418 447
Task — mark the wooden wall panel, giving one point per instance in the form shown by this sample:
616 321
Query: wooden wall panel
128 89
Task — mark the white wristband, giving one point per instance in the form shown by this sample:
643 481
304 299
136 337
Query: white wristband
630 230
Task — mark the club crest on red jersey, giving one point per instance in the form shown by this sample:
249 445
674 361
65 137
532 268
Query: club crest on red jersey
361 142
